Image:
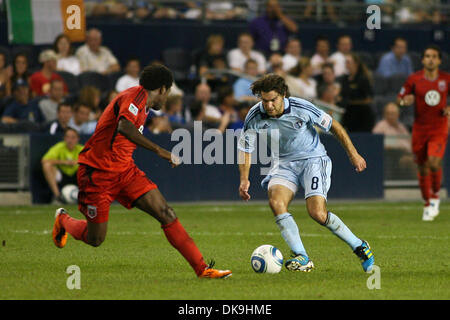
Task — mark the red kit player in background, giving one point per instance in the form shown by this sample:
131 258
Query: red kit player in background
107 172
428 89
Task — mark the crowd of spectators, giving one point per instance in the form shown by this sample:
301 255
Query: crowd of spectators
335 11
220 92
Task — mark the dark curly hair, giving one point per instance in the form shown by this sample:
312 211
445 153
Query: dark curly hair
268 83
156 76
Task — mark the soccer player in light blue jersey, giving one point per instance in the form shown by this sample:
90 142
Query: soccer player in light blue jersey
301 160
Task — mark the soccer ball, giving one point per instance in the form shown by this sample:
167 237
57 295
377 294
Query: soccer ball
69 193
266 259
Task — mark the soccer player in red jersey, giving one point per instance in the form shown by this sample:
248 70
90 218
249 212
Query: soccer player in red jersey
428 89
107 172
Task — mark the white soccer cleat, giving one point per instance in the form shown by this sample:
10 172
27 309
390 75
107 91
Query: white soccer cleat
427 213
434 204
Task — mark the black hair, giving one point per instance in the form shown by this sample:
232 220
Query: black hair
64 104
268 83
432 47
156 76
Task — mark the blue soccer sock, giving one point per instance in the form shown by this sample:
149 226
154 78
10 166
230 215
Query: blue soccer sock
335 225
290 233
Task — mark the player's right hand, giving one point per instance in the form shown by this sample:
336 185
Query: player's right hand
174 160
408 99
243 190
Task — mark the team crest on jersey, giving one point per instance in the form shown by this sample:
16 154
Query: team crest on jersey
133 109
91 211
298 124
442 85
432 98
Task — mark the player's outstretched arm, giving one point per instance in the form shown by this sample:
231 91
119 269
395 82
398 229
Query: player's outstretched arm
341 135
244 171
129 131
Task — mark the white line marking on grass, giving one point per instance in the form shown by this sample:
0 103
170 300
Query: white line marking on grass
239 234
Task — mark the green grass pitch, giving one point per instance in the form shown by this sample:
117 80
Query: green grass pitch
137 262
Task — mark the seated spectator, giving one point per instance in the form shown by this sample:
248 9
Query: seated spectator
327 93
213 57
391 126
90 96
357 96
321 55
63 116
272 30
22 109
306 84
88 127
276 66
5 74
293 54
242 109
238 56
227 102
328 78
241 86
396 61
131 76
197 110
40 80
95 57
398 158
60 165
344 48
81 114
158 124
67 61
20 71
203 94
173 109
49 105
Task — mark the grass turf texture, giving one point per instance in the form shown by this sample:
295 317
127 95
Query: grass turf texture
137 262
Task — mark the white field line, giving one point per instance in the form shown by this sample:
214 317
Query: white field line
238 234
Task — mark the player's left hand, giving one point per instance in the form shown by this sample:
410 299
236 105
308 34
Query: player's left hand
358 162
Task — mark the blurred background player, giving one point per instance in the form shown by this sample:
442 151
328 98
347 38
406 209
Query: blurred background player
107 172
428 90
300 160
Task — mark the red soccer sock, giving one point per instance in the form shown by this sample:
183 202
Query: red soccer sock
180 240
436 180
425 187
77 228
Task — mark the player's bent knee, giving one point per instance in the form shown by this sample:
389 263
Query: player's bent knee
278 206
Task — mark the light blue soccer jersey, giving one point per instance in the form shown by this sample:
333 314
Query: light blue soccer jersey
294 130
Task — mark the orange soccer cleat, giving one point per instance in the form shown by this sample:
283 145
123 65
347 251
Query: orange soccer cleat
59 234
211 273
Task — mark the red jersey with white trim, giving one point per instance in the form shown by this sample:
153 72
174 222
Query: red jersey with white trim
430 100
107 149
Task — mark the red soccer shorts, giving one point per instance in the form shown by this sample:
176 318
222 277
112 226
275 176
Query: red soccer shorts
428 144
98 189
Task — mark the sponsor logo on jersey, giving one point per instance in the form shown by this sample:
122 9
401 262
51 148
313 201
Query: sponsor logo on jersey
266 125
432 98
133 109
298 124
